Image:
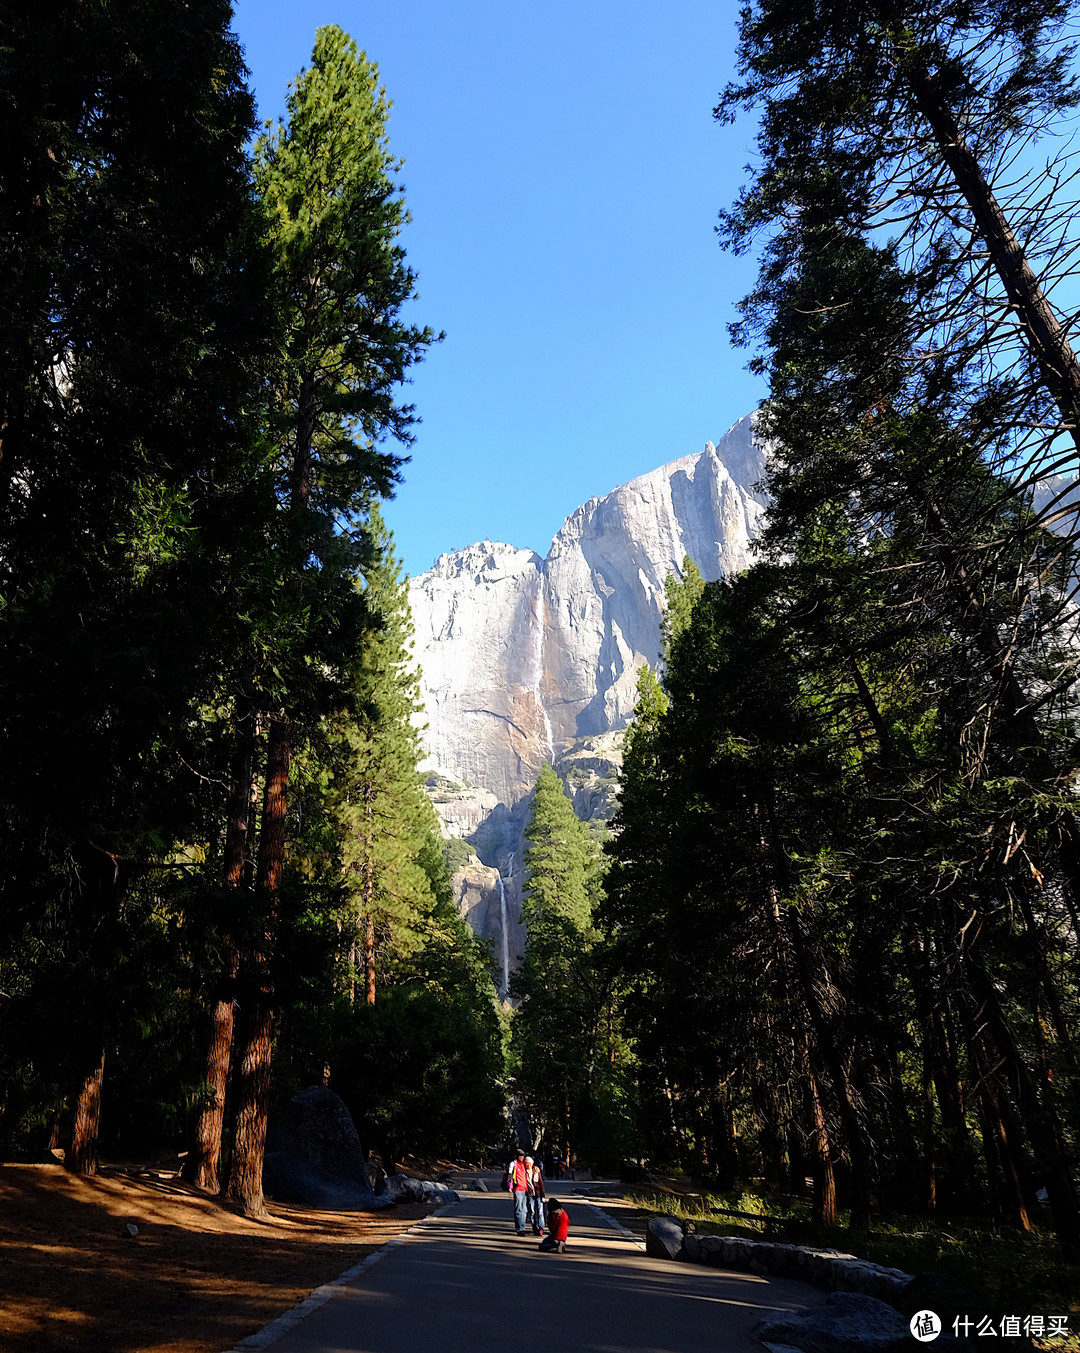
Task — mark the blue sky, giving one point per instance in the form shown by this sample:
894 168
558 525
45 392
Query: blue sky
564 172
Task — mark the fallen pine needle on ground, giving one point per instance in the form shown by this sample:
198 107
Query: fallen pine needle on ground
196 1279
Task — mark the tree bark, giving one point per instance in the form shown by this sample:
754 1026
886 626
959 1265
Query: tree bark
792 939
82 1157
823 1207
244 1185
1039 1117
369 959
996 1129
1046 337
204 1155
369 895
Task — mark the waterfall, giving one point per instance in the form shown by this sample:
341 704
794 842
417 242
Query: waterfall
537 662
504 927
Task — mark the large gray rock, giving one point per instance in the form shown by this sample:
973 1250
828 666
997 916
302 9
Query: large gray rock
849 1322
290 1178
663 1238
316 1125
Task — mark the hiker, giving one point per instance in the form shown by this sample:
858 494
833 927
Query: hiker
517 1185
559 1223
537 1193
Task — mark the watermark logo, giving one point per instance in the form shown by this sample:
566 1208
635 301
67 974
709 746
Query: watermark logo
925 1325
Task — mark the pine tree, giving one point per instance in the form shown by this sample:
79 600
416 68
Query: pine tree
680 596
128 382
384 818
911 126
326 180
556 1030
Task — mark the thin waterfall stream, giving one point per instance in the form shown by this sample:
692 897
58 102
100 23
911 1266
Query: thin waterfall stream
504 923
504 927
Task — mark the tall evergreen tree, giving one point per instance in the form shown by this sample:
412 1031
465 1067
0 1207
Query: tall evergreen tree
327 182
384 818
557 1028
912 126
130 371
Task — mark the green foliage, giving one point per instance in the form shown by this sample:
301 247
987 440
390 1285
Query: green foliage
326 177
571 1060
130 394
382 816
680 596
203 361
457 853
1004 1273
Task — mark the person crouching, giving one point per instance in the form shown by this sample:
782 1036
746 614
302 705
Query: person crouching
558 1227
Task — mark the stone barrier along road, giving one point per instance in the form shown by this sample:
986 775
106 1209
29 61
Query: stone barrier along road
465 1283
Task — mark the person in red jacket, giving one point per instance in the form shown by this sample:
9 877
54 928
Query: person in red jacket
558 1227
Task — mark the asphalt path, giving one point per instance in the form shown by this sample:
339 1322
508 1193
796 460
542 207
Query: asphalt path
465 1283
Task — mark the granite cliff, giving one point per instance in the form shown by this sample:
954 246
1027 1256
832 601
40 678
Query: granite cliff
526 660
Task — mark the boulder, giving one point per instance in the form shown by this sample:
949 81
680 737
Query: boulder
849 1322
663 1238
403 1186
316 1125
291 1178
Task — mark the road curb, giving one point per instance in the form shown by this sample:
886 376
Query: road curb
269 1334
618 1226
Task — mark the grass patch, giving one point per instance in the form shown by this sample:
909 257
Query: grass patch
1009 1272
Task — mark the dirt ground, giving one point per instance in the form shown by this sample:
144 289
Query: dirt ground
196 1279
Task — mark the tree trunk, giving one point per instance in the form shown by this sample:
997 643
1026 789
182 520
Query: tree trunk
369 959
82 1157
204 1155
1039 1116
996 1129
244 1186
369 896
823 1208
1046 338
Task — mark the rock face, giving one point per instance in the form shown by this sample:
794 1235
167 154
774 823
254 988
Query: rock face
527 660
521 656
492 906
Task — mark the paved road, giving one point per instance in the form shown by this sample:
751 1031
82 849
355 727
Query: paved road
465 1283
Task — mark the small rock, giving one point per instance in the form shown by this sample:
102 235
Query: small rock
131 1230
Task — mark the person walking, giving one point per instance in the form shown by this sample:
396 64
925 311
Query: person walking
517 1185
536 1195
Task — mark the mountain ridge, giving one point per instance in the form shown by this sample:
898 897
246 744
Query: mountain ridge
526 660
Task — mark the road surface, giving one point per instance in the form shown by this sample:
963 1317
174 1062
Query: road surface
465 1283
